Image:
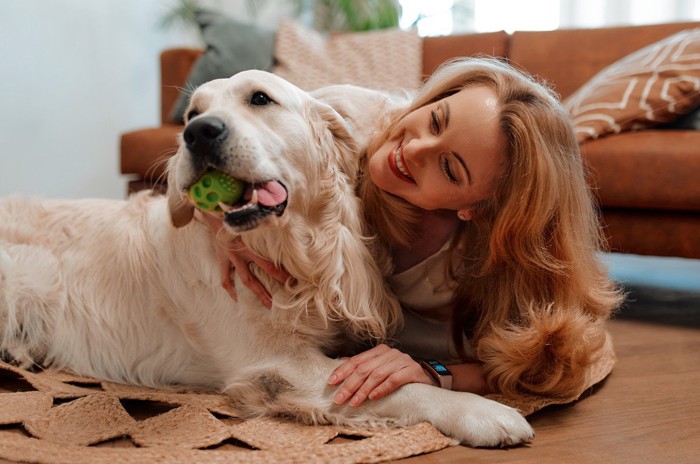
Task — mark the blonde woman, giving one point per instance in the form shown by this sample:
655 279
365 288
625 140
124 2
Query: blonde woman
477 187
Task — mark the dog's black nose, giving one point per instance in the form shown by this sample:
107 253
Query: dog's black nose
203 135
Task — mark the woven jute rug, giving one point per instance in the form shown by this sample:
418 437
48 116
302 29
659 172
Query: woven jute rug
56 417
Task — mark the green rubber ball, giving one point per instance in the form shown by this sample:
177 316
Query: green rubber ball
214 187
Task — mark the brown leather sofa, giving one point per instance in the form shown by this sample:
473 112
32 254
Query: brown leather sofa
648 182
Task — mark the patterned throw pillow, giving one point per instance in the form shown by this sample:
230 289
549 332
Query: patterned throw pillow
387 59
651 86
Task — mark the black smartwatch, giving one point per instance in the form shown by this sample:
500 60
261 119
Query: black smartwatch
439 372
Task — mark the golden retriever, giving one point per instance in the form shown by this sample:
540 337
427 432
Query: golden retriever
129 291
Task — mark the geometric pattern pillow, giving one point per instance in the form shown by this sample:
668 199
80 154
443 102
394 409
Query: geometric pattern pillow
384 59
651 86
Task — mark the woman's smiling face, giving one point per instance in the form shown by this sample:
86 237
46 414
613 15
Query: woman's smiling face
445 155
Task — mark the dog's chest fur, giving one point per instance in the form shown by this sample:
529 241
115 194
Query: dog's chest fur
111 289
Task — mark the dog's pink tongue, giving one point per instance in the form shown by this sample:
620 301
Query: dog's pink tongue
271 194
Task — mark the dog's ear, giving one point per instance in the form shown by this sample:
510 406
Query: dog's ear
180 208
343 139
343 280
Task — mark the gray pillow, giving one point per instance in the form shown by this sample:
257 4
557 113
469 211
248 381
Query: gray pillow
231 46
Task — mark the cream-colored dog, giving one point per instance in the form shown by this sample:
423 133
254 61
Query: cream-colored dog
129 290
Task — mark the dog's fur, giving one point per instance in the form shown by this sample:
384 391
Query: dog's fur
129 290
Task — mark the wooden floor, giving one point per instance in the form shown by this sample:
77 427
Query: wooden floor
647 411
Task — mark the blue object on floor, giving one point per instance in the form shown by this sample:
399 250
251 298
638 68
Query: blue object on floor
655 271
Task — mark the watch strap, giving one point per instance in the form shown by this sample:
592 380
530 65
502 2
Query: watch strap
439 372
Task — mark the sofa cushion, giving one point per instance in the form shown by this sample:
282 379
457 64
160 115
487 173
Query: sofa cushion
651 232
646 88
439 49
386 59
568 58
231 46
651 169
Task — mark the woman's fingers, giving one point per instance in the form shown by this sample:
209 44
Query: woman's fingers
235 256
342 372
279 274
226 279
239 256
374 374
410 374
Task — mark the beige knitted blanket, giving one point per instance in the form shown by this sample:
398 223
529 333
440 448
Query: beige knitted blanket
55 417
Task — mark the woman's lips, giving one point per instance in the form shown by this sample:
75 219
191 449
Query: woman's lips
398 165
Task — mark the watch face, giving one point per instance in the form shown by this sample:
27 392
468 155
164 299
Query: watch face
439 368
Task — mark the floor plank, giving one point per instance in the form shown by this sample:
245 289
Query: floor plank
647 411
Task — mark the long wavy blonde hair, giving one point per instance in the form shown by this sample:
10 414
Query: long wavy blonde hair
532 292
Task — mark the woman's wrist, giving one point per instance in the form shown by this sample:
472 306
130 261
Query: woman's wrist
442 377
469 377
433 381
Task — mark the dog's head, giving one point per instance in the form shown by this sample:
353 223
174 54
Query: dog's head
297 159
262 130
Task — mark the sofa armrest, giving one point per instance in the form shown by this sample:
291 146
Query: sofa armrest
175 66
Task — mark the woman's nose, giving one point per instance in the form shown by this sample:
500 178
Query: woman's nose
420 147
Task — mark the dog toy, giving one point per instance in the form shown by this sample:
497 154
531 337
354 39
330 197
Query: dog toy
215 187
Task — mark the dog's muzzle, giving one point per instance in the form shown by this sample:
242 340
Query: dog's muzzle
260 200
204 136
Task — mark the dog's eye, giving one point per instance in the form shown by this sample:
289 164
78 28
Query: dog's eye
260 99
192 114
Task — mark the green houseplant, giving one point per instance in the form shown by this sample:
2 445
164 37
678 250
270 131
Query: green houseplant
323 15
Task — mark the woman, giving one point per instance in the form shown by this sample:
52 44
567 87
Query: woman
478 189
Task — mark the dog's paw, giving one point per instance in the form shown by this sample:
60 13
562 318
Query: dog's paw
480 422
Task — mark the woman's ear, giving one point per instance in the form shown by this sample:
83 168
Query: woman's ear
465 214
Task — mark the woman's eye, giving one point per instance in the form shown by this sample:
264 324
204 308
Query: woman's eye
434 122
448 171
260 99
192 114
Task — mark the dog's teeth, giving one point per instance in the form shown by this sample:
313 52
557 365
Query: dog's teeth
226 208
254 197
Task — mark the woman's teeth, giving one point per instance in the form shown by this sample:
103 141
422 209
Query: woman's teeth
399 163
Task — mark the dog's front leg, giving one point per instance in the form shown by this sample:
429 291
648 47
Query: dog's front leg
469 418
297 386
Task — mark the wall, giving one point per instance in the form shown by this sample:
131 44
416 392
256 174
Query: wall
75 74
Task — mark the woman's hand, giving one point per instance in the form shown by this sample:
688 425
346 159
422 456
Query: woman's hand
235 256
376 373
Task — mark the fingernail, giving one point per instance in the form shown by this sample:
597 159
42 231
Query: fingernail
372 396
355 401
338 399
332 379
